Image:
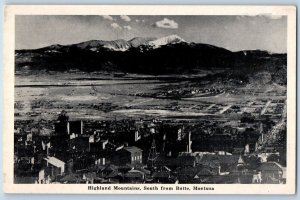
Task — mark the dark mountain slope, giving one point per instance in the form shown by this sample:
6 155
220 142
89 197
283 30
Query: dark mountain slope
150 56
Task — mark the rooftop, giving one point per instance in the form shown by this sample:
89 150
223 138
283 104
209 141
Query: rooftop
270 166
54 161
220 159
133 149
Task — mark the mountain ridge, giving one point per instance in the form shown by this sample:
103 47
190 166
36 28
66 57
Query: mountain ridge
136 42
165 55
120 44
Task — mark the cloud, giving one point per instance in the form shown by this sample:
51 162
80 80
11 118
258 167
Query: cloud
116 26
127 27
137 20
108 17
125 18
166 23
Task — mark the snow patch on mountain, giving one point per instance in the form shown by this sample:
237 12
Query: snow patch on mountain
138 41
171 39
117 48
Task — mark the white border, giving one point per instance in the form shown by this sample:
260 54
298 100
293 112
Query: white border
9 39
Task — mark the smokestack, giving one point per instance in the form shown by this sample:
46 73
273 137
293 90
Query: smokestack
68 128
81 127
247 149
189 144
164 143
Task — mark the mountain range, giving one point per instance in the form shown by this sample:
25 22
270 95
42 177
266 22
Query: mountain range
170 54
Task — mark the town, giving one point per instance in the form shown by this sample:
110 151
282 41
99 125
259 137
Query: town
248 148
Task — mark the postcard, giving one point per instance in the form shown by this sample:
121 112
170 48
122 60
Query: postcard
115 99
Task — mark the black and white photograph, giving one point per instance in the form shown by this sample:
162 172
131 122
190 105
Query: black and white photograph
193 101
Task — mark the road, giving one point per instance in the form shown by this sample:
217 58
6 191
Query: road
265 108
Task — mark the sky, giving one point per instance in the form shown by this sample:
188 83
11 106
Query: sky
235 33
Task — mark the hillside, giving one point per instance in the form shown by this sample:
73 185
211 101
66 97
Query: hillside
167 55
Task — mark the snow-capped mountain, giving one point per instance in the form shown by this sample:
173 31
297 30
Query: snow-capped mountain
171 39
170 54
138 41
143 43
123 45
96 45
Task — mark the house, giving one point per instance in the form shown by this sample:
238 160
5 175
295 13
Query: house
271 172
257 177
204 173
70 178
100 161
134 176
114 177
186 174
69 166
128 155
163 177
269 157
224 163
110 173
89 177
25 160
108 169
238 150
175 162
54 166
82 162
43 178
80 144
29 137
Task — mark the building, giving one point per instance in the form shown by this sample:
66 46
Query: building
62 125
100 161
75 127
271 172
89 177
68 127
128 155
175 162
43 177
134 176
224 164
54 166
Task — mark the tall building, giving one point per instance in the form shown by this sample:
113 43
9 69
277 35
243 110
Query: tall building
61 126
